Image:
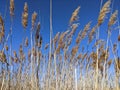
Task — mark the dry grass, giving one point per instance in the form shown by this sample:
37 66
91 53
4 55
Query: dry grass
69 65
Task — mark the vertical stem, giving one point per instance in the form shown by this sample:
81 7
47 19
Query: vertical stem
5 9
96 78
55 71
115 60
10 61
50 51
104 68
38 66
97 38
76 88
31 59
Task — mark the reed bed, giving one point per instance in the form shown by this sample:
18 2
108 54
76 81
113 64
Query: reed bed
67 65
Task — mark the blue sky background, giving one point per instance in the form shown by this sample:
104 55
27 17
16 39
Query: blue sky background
62 11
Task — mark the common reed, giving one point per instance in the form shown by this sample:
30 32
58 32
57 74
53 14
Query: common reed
74 16
105 9
34 17
2 29
12 7
113 18
67 62
25 16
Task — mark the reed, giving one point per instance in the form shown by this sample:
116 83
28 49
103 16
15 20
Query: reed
67 62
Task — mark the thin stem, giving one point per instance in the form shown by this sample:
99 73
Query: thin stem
76 87
31 58
10 60
55 70
5 9
50 51
97 38
116 77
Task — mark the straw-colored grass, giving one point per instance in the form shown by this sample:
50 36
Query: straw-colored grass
65 63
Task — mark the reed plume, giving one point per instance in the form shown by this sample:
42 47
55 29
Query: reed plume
56 39
34 17
37 33
85 30
74 16
2 30
113 18
21 53
12 7
25 16
3 57
26 42
74 51
40 42
78 39
109 62
91 34
105 9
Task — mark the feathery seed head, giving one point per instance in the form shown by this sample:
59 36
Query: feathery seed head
105 9
34 17
26 41
74 16
113 18
25 16
25 7
11 7
74 50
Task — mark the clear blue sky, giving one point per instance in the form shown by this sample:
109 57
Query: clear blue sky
62 10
